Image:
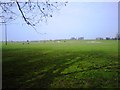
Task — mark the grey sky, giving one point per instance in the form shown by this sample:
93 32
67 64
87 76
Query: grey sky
87 19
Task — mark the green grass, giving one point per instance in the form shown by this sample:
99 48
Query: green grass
70 64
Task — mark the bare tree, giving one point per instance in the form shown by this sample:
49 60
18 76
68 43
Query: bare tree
32 11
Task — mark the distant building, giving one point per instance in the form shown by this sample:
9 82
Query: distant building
99 38
81 38
73 38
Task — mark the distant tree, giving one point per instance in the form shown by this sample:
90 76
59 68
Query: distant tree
27 41
118 36
107 38
114 38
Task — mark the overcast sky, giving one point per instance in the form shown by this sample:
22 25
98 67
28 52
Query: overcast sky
77 19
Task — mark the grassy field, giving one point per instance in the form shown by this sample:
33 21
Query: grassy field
70 64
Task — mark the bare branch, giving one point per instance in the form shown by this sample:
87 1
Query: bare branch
22 13
31 12
28 22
